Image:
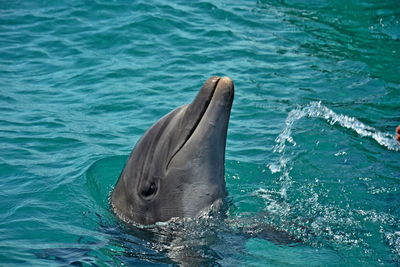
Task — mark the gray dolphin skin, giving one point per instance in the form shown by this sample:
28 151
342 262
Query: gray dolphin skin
176 170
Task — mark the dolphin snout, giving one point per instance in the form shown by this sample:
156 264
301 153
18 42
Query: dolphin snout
225 89
226 81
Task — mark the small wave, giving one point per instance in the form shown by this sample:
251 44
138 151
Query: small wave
317 110
101 177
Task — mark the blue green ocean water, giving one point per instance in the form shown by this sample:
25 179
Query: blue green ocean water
310 148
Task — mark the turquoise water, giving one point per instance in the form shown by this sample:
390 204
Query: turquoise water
310 148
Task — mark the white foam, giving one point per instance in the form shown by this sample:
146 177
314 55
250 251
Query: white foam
317 110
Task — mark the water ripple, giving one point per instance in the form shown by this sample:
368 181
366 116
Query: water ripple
80 82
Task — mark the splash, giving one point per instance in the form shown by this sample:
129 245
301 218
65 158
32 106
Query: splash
317 110
394 242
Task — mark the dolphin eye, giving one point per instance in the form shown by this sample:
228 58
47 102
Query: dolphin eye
150 190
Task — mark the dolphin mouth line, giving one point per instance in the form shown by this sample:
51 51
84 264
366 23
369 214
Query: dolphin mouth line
201 115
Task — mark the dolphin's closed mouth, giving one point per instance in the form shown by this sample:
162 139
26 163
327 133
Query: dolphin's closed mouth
193 108
177 168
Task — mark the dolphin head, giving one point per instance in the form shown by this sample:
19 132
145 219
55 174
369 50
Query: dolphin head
177 168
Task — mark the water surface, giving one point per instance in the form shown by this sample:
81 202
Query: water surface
310 148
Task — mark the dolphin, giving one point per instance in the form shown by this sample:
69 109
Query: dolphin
176 170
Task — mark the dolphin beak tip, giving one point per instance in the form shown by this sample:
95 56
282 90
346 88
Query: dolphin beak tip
225 84
226 80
